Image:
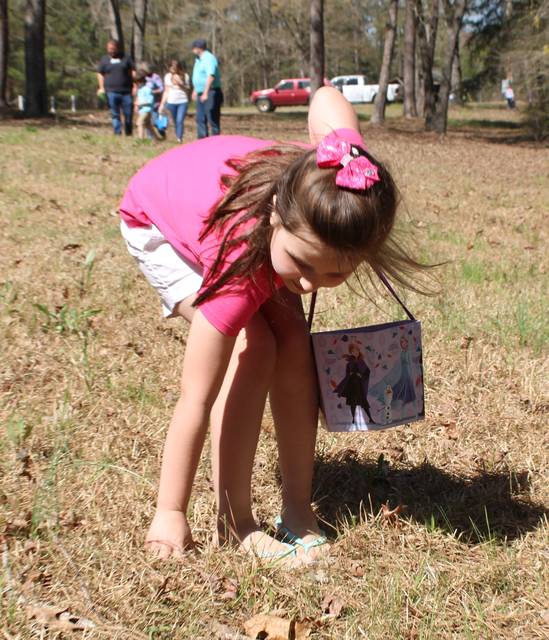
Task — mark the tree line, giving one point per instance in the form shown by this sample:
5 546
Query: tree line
438 49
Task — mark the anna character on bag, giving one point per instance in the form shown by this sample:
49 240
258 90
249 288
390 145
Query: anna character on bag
354 386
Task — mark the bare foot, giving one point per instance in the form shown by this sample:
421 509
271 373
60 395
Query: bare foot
265 547
169 534
258 544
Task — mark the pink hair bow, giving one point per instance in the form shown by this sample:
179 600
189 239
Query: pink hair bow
356 172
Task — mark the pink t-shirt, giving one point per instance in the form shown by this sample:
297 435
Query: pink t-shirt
175 191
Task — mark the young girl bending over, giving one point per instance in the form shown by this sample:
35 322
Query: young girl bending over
231 231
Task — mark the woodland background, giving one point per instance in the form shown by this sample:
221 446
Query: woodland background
50 48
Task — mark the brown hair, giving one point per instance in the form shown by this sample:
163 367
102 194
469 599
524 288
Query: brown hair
353 346
356 223
176 66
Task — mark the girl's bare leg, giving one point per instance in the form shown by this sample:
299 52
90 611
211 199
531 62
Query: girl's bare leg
235 424
294 404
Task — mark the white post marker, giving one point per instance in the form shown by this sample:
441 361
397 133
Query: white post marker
52 104
21 103
73 103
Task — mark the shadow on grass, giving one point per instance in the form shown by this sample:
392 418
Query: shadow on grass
477 509
484 124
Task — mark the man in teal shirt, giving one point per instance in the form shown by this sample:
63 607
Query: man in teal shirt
206 90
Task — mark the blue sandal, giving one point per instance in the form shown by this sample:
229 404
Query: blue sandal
293 539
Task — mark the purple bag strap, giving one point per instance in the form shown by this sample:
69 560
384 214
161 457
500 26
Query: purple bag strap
389 288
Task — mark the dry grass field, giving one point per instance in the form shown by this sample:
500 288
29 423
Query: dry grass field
438 529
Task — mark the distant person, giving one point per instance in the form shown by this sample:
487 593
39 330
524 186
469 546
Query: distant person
510 97
176 96
154 82
504 84
115 80
144 105
206 90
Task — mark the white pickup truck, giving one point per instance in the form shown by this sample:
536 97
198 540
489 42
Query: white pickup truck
356 88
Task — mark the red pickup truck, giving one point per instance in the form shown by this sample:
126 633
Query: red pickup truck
286 93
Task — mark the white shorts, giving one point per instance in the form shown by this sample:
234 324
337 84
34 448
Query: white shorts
166 270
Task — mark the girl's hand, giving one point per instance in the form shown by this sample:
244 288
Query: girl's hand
169 534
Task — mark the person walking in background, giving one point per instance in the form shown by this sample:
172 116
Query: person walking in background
115 80
155 84
144 103
510 97
176 96
206 90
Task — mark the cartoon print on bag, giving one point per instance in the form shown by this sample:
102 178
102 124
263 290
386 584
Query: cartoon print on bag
354 386
388 396
399 378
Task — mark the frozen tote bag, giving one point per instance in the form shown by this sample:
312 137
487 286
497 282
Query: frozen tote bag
370 377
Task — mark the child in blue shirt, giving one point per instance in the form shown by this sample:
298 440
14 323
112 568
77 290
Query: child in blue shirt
144 102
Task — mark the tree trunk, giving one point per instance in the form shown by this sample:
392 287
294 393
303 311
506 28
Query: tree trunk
378 115
455 83
4 52
317 45
36 91
410 60
427 35
262 16
115 26
454 18
138 29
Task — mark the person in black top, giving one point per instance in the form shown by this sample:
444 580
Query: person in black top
115 79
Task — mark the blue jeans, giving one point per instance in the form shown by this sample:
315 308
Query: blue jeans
178 111
121 102
209 113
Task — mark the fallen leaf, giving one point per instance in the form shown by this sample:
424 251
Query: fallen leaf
213 581
357 569
162 582
451 430
70 519
465 342
230 589
500 456
395 453
23 458
224 632
59 619
35 577
269 627
302 630
331 605
30 546
71 246
19 526
391 515
226 588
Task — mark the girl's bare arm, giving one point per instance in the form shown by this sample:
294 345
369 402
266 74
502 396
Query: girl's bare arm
206 359
329 110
